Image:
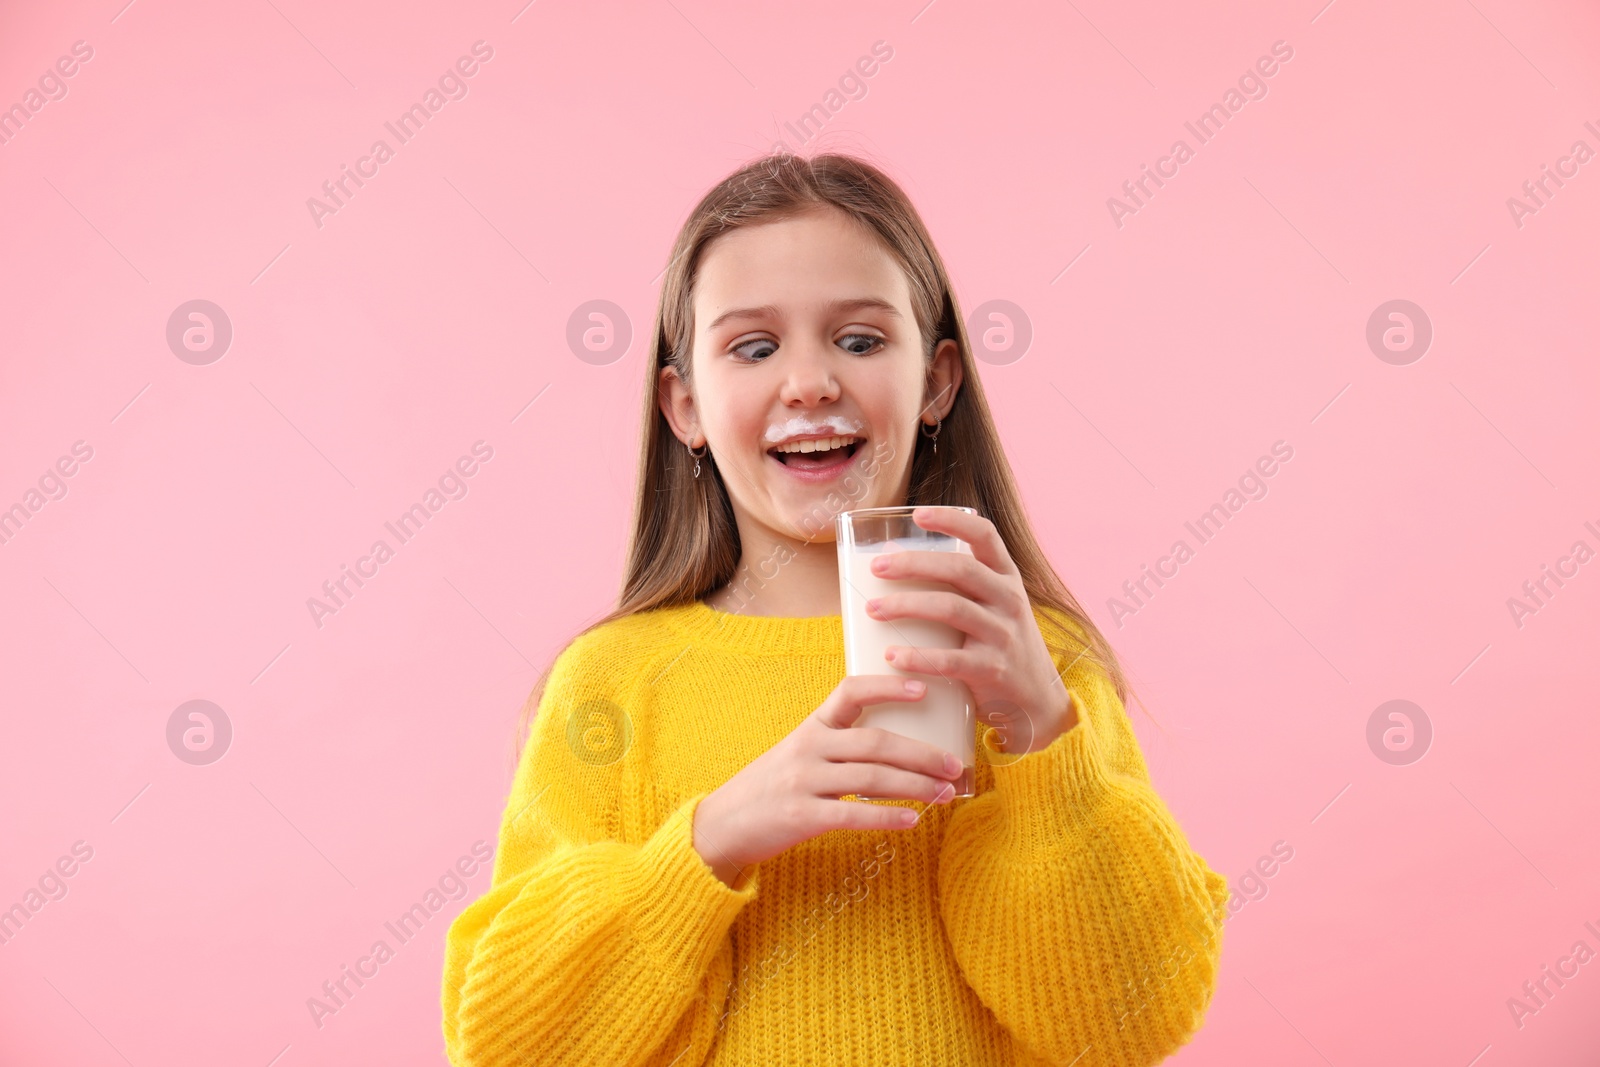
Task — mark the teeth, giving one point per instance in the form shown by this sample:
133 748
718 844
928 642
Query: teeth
822 444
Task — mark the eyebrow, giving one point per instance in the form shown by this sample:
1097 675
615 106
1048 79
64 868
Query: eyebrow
865 303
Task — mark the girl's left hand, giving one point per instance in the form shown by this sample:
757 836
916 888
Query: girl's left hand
1003 661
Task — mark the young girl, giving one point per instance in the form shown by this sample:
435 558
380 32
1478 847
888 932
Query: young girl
685 874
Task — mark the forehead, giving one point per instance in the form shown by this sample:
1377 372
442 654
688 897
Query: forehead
797 264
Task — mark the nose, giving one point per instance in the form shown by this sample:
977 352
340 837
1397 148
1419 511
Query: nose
808 374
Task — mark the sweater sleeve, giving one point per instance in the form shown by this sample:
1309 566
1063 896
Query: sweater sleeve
593 944
1074 905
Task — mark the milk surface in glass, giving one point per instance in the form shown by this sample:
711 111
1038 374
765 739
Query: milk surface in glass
944 717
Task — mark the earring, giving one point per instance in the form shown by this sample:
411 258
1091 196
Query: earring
938 424
704 448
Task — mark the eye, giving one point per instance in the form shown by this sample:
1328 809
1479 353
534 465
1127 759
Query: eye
759 341
858 344
873 342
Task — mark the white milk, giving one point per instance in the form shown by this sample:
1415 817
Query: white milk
944 715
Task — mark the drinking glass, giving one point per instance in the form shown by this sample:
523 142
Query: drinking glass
945 715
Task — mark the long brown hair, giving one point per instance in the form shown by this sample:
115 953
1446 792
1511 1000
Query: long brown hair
685 543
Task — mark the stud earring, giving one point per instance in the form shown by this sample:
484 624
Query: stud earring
938 424
704 448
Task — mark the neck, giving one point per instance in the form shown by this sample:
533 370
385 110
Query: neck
781 578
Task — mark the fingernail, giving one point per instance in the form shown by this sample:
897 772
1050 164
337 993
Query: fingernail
951 764
915 687
946 791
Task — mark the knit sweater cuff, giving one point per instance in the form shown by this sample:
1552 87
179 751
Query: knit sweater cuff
681 910
1055 790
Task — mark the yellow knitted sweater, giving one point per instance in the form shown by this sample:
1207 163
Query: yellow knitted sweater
1057 917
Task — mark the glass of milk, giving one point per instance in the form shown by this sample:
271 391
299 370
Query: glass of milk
945 715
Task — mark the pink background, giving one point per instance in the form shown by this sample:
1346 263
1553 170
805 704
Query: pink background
1230 312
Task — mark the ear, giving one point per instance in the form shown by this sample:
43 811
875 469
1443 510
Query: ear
677 404
944 378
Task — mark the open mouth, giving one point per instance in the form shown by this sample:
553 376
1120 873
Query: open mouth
818 455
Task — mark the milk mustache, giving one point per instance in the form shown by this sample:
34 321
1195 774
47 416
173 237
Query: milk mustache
944 717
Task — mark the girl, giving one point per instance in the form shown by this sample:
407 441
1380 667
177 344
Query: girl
680 878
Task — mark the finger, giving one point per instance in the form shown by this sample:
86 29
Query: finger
857 815
835 780
959 570
952 609
844 705
987 545
951 664
869 744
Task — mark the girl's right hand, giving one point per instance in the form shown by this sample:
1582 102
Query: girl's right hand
790 793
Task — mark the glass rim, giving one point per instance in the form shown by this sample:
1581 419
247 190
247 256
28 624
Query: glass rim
907 508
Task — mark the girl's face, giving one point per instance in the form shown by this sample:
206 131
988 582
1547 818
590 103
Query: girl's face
804 330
